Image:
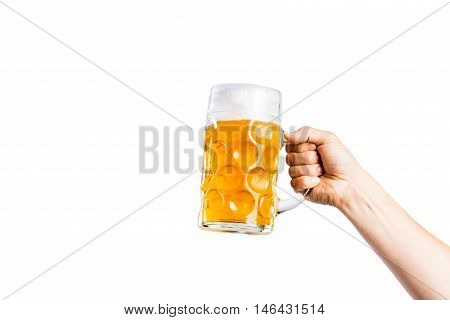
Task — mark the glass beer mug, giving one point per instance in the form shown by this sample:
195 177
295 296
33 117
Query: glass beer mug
243 139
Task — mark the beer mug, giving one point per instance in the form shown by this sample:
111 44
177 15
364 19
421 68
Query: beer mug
243 139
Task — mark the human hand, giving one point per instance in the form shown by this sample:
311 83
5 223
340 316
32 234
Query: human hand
318 160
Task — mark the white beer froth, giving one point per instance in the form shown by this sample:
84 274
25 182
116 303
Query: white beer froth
244 101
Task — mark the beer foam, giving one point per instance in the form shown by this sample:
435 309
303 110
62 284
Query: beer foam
244 101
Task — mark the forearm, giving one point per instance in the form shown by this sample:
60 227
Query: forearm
420 261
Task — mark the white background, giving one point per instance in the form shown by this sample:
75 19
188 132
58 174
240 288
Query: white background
69 144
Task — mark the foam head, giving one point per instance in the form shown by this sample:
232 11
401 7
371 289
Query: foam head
244 101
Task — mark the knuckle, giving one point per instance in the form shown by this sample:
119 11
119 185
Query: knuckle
303 133
306 133
292 172
312 157
308 170
301 128
306 128
302 147
289 158
318 170
331 135
308 147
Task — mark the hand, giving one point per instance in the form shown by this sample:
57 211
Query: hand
318 160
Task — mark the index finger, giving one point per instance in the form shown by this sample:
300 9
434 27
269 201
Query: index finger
301 147
311 135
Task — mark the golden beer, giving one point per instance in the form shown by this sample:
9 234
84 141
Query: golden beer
240 172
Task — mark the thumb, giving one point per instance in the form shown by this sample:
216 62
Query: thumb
311 135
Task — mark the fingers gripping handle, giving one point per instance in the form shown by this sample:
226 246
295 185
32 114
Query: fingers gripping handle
294 201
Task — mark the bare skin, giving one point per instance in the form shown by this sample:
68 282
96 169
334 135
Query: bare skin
419 260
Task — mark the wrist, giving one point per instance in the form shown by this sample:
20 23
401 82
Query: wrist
363 194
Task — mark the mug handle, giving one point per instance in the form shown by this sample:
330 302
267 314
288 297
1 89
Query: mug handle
291 203
294 201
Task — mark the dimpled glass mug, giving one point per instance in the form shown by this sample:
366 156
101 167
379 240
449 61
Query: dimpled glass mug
243 139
